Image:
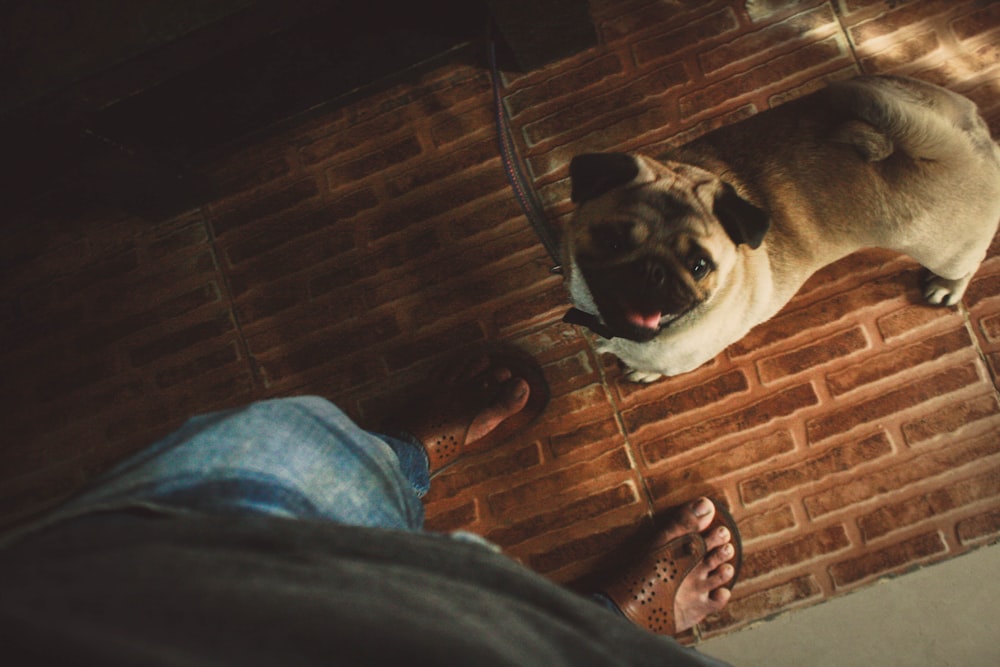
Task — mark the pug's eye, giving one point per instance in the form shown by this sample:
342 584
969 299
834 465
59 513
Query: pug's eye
700 267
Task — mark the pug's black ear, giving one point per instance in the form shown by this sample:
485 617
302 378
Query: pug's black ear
593 174
744 222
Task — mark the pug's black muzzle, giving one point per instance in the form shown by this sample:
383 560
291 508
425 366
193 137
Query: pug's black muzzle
637 299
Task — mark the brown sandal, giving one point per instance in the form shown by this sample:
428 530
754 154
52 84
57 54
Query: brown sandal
645 593
442 421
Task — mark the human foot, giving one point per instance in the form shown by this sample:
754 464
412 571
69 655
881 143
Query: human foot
475 404
686 575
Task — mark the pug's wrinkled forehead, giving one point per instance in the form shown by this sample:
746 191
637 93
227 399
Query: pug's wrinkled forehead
656 203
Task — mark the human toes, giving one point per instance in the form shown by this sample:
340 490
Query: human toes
693 517
509 400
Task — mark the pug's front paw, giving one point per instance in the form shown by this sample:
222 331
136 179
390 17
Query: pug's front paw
943 292
642 377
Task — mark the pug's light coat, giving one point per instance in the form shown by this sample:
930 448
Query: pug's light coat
678 257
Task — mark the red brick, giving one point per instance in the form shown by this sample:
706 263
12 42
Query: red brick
715 466
408 211
911 320
115 268
170 410
910 395
765 524
443 521
185 239
979 527
489 216
912 511
897 361
433 172
287 198
616 135
276 233
472 472
761 604
88 372
709 393
460 127
553 341
629 21
981 288
902 17
819 54
359 136
950 419
565 444
851 6
692 34
902 53
601 108
831 462
572 372
239 176
321 349
798 550
990 326
567 82
757 414
528 311
136 318
416 349
756 45
476 293
206 363
981 21
761 10
384 157
559 515
530 493
578 403
881 482
794 320
822 351
177 341
571 551
893 558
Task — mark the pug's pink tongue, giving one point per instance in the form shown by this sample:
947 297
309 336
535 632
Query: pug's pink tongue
644 320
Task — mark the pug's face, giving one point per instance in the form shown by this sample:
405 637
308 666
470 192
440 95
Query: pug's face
654 241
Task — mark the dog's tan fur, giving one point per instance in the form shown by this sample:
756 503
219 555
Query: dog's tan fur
883 162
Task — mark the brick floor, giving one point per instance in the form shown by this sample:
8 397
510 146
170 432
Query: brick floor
854 436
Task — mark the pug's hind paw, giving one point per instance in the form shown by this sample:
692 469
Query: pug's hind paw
642 377
943 292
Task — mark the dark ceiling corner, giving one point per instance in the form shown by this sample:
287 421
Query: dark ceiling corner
120 100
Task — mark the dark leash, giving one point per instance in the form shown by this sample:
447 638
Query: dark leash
527 198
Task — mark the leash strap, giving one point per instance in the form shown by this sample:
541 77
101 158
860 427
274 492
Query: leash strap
528 199
524 194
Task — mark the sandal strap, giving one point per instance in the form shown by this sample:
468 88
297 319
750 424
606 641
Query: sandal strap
447 446
645 593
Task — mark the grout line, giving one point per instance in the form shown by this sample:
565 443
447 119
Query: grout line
259 382
629 449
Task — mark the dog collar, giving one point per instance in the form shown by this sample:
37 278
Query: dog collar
592 322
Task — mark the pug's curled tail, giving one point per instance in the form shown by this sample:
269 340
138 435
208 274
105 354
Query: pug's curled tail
912 116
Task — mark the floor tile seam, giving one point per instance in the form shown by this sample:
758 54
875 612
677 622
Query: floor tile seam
978 344
633 457
224 279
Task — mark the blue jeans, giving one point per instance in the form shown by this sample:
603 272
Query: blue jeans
294 457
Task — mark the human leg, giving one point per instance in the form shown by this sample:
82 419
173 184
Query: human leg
303 457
